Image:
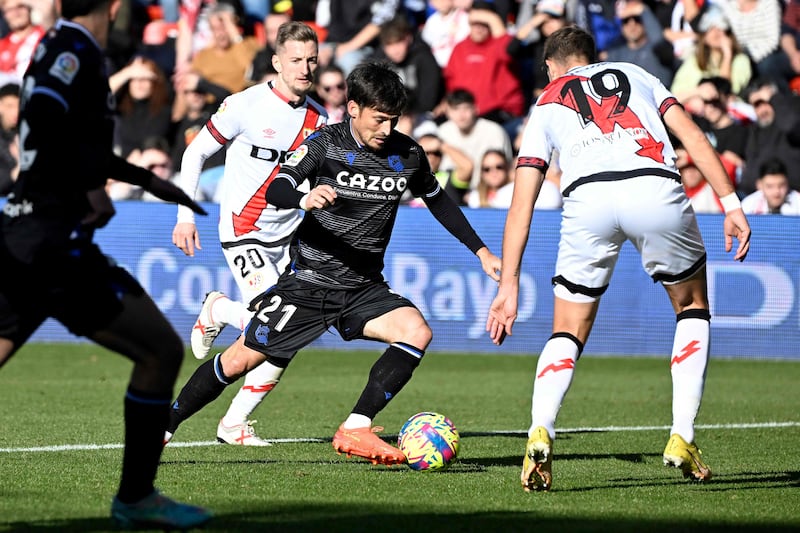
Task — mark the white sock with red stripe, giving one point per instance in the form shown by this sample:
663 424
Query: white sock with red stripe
554 373
688 368
230 312
257 384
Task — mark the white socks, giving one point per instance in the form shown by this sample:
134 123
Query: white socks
688 368
257 384
554 373
229 312
355 421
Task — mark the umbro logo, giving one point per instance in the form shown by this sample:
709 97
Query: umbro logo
269 133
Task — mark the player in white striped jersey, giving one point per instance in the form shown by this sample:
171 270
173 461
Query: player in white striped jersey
608 123
263 125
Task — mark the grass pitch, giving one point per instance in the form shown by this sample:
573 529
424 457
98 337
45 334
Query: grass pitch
61 426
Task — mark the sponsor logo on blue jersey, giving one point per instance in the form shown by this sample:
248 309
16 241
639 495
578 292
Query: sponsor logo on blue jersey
395 162
384 184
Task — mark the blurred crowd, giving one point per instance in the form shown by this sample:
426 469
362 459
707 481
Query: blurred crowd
472 69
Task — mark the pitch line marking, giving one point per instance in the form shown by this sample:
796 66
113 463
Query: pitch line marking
196 444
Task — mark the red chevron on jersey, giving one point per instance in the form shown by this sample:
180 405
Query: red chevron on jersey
611 111
245 221
563 364
686 352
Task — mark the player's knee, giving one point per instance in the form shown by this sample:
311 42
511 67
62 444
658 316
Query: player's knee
238 360
418 334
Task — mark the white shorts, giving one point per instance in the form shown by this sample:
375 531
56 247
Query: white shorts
256 267
598 217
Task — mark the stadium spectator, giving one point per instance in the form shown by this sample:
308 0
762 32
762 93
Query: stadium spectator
481 65
199 105
262 62
472 134
496 187
154 156
679 31
16 48
528 45
717 54
643 42
757 27
773 195
143 103
599 17
194 29
332 93
727 134
775 134
413 61
353 30
495 175
698 190
454 181
444 28
43 12
226 61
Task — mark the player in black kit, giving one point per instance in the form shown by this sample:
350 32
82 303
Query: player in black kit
358 170
51 268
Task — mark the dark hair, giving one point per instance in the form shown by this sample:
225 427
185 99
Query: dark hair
395 30
78 8
330 67
9 89
772 165
159 95
295 31
570 41
155 143
722 85
460 96
376 85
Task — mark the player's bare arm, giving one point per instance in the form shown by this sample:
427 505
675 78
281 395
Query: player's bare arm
707 161
185 235
503 311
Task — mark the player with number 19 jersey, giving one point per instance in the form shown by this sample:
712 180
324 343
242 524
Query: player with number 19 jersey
602 116
265 128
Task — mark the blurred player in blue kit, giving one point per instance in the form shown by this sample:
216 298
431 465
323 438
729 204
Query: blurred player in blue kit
51 268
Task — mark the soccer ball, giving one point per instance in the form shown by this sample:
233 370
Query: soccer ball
429 441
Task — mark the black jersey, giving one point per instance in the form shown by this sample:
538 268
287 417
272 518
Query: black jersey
66 130
344 244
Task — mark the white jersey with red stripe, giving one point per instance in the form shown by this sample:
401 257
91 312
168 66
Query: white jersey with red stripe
601 116
263 129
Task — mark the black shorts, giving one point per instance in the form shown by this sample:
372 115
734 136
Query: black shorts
292 314
81 288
